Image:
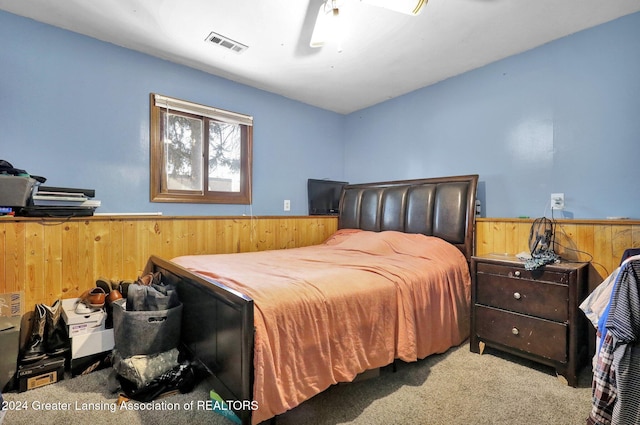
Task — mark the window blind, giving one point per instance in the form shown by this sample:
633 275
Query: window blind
197 109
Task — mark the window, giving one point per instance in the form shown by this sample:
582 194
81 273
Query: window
199 154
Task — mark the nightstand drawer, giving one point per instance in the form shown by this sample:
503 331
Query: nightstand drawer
541 299
538 275
529 334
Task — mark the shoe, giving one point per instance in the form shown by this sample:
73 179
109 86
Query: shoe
104 284
82 309
110 288
56 340
114 295
95 298
124 287
34 350
90 301
115 284
150 279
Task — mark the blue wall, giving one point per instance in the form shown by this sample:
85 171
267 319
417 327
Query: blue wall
559 118
76 111
564 117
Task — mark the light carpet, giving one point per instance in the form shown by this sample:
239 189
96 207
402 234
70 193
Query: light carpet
457 387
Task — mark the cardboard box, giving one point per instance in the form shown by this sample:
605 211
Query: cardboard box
91 343
79 324
10 343
88 364
39 374
12 304
15 191
86 331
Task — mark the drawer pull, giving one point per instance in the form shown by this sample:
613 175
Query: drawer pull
515 331
517 273
517 295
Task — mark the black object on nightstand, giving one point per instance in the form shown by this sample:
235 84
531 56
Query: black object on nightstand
533 314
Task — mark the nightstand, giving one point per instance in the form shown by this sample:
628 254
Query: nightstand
533 314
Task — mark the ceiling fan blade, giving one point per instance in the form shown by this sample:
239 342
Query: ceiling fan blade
320 29
327 25
410 7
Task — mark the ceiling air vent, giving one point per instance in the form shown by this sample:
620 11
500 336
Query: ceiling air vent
226 42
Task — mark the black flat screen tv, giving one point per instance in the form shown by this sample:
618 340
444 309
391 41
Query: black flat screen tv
324 196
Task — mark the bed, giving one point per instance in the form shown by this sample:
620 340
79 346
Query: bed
274 328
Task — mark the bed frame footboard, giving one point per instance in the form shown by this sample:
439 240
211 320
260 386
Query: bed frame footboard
217 330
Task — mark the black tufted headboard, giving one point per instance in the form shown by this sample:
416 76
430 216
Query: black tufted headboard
441 206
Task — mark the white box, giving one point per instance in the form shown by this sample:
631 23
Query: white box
79 324
92 343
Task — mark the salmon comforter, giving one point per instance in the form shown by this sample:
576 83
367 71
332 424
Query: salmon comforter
325 313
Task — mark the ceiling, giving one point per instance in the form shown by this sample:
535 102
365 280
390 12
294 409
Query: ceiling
384 54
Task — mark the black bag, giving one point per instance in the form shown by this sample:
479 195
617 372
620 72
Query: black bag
7 168
181 378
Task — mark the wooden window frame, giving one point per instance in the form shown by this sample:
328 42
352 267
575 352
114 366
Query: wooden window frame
158 190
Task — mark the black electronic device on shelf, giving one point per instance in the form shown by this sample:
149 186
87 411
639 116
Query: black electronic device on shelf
324 196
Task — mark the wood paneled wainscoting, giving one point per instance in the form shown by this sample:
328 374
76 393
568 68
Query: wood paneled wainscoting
51 258
602 242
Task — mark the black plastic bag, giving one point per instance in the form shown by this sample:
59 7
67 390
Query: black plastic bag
7 168
181 378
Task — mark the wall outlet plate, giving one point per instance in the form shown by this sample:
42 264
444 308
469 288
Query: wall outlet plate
557 201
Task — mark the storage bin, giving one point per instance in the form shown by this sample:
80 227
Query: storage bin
145 332
15 191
